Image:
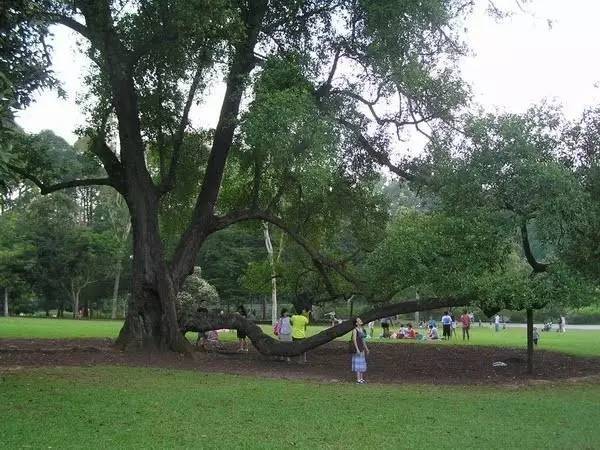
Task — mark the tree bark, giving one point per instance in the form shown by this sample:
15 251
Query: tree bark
75 297
113 313
267 345
530 341
5 302
269 246
151 320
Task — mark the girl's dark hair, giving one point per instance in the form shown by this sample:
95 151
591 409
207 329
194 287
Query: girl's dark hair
283 311
354 321
241 309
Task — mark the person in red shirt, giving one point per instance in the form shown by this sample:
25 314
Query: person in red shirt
466 324
410 332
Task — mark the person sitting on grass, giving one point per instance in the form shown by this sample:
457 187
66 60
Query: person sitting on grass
432 333
209 341
410 332
401 334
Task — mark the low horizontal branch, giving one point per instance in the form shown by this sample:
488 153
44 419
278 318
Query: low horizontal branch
267 345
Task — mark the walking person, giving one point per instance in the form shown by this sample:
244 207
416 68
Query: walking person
497 322
299 324
446 326
284 328
453 328
359 358
385 325
466 324
241 335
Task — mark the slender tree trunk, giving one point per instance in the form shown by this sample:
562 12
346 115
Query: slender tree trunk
530 340
269 247
115 298
75 296
5 302
417 312
113 314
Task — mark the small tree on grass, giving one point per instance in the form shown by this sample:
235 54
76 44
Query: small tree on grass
511 166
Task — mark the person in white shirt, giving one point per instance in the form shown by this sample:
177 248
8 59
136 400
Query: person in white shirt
497 322
446 326
562 324
432 333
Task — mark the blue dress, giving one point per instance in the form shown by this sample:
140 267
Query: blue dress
359 361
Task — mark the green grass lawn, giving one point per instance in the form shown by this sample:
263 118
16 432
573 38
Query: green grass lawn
110 407
577 342
42 328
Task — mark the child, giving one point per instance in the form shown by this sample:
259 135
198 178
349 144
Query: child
433 333
371 327
536 336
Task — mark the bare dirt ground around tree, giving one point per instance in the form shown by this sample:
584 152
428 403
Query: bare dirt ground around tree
423 363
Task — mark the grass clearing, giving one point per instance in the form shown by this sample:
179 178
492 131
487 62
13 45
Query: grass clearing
575 342
117 407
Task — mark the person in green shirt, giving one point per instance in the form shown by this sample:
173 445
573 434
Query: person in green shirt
299 324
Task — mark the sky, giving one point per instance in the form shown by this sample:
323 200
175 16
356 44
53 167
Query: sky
548 51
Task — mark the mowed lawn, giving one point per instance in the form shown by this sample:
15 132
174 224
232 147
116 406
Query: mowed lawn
576 342
119 407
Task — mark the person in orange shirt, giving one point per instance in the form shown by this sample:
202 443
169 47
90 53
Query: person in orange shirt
465 319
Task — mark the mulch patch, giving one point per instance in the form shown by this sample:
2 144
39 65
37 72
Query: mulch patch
425 363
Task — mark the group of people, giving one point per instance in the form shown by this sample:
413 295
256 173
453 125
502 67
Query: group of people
449 325
292 328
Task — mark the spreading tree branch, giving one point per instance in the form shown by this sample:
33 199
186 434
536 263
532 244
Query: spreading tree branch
378 156
203 321
67 22
242 64
47 189
320 261
537 266
169 182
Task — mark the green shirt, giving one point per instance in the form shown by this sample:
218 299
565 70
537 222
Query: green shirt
299 324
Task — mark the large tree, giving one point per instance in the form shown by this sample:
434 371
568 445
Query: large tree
324 72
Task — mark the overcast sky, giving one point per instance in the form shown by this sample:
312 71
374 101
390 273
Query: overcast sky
517 62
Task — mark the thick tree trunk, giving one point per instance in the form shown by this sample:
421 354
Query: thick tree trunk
530 340
151 320
5 302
